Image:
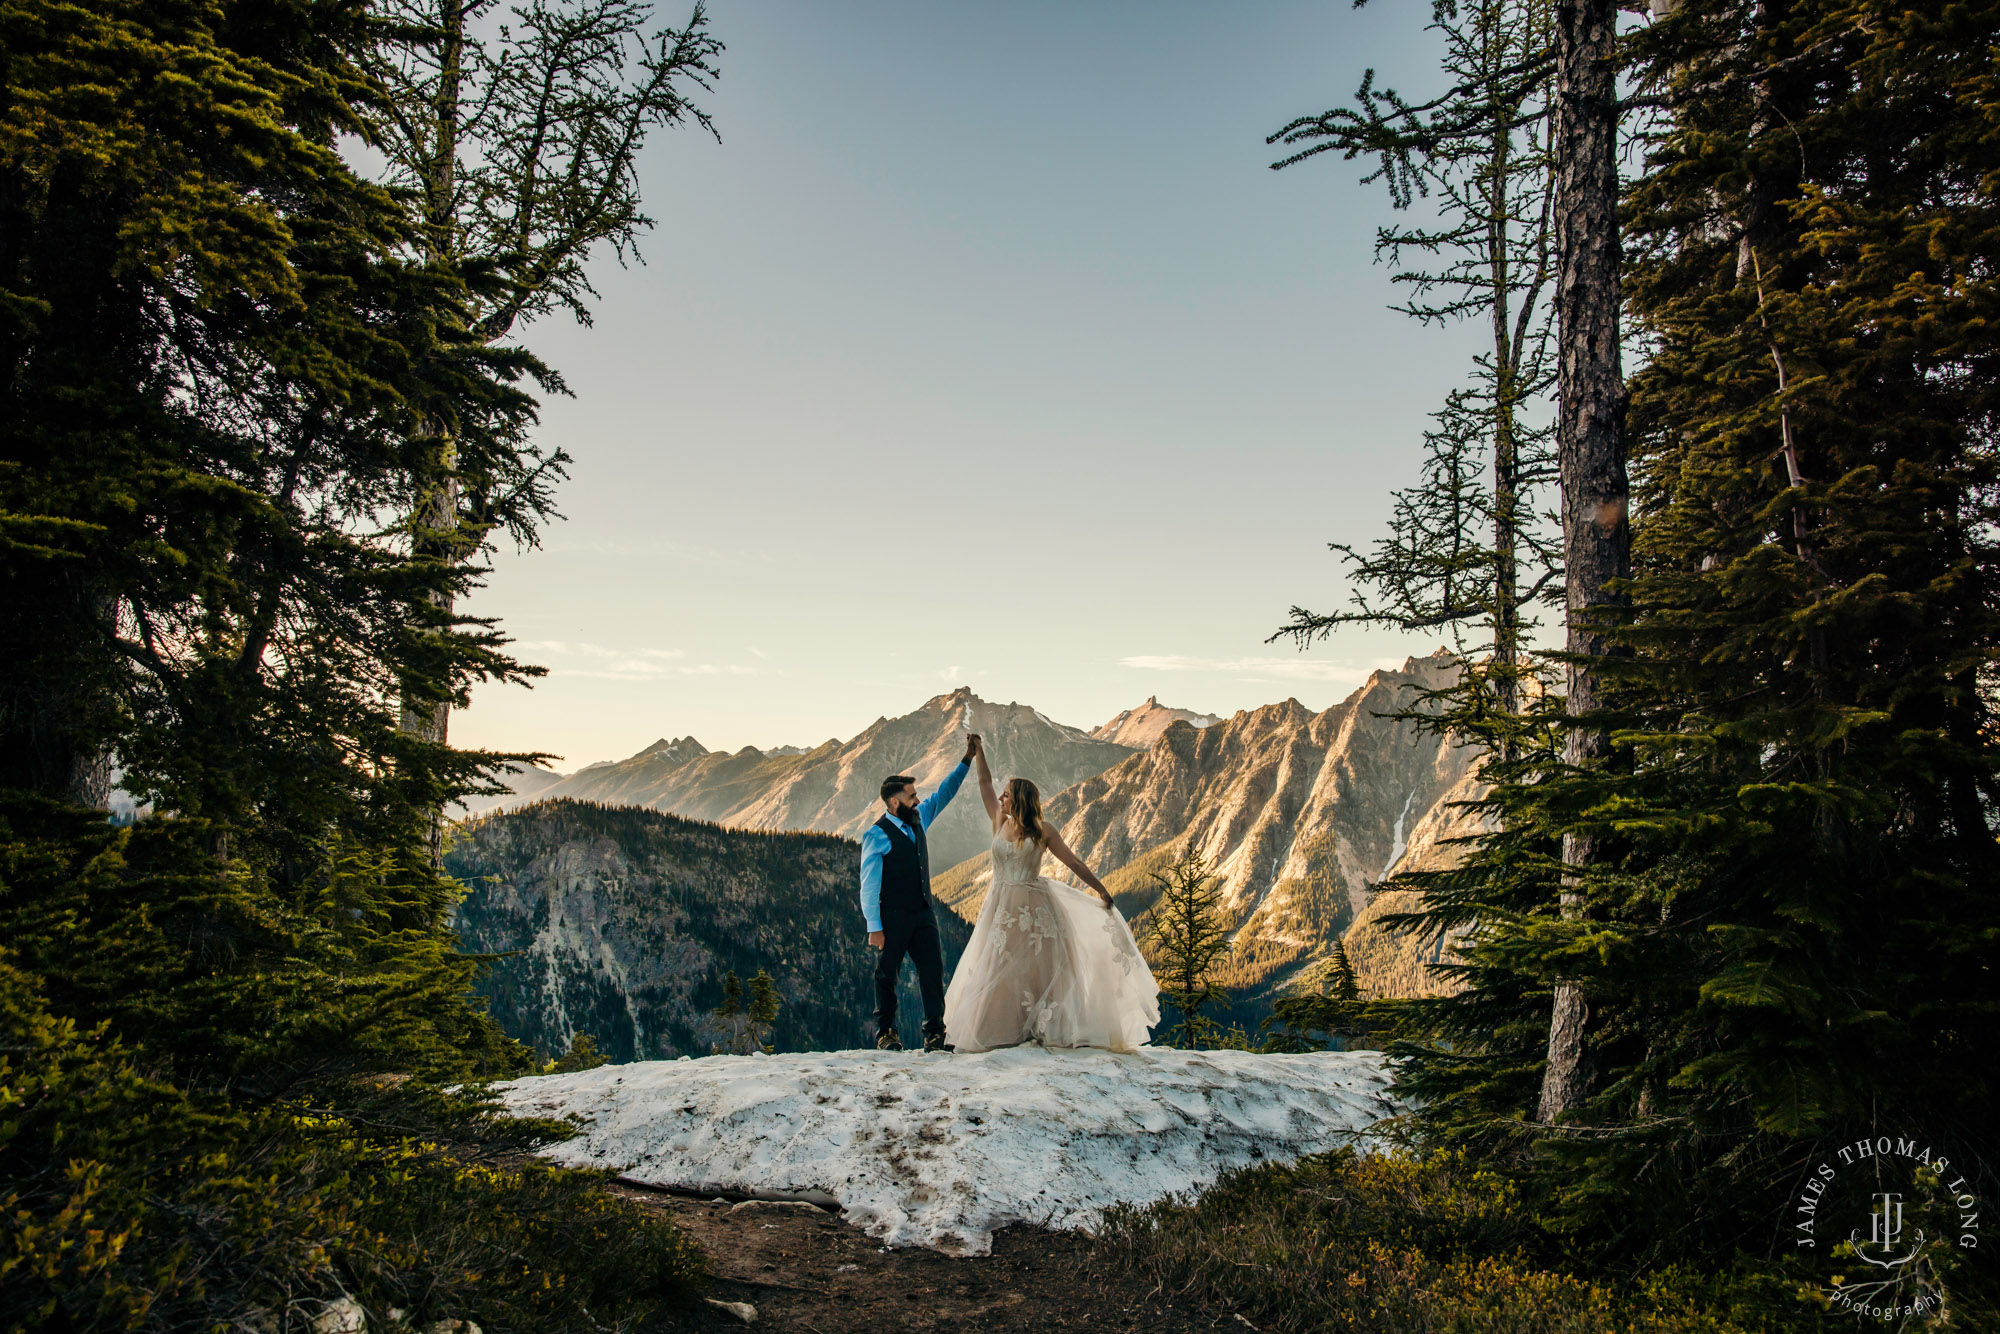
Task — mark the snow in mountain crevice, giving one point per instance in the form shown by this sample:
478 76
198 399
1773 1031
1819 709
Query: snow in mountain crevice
1397 844
941 1151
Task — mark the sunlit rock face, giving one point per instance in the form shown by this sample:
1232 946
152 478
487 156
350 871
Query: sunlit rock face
835 787
1139 728
1300 813
941 1151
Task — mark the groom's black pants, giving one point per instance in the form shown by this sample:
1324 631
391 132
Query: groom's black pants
911 931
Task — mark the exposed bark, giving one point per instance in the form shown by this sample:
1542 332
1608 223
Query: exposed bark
1454 555
1590 442
435 534
1506 445
435 524
46 757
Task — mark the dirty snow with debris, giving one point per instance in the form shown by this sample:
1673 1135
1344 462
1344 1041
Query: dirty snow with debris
941 1151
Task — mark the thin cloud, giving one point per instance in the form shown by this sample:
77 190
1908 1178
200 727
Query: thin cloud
650 548
612 663
631 669
1289 669
724 669
599 662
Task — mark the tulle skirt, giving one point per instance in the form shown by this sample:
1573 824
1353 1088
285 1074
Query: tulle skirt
1049 963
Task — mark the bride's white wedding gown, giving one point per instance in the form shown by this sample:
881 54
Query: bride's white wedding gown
1047 963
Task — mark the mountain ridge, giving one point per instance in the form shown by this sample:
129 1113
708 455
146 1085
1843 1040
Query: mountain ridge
1300 812
835 787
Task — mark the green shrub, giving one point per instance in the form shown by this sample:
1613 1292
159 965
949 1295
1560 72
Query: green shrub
1392 1244
582 1055
127 1204
222 1105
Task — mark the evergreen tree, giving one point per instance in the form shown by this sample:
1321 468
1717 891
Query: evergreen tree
235 1022
517 144
1189 941
1792 936
1462 539
582 1055
1516 66
216 349
1341 984
728 1021
1335 1009
761 1012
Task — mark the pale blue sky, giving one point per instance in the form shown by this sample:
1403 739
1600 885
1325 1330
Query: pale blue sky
1000 302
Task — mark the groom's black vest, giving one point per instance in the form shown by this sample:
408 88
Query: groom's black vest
906 867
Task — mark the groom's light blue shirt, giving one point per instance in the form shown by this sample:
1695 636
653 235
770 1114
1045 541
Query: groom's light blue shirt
875 843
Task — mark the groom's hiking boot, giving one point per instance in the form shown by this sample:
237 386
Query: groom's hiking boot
936 1042
888 1041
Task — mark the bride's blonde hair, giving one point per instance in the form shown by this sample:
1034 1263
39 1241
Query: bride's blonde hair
1027 801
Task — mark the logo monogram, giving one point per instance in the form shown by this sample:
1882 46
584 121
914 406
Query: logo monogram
1885 1229
1918 1205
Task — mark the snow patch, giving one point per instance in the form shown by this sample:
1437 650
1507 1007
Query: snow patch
941 1151
1397 844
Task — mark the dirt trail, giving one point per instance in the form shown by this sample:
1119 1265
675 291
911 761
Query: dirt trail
804 1269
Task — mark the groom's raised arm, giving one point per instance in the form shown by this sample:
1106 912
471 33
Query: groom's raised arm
874 844
928 808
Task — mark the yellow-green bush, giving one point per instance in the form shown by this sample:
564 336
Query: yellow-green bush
1393 1244
222 1104
127 1204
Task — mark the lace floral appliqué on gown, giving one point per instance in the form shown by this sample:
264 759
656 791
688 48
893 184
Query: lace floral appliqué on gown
1047 963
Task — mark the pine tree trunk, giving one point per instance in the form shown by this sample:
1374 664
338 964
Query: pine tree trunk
437 537
1590 439
1506 571
1506 445
47 743
436 520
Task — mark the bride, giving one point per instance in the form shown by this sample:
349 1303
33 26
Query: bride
1047 962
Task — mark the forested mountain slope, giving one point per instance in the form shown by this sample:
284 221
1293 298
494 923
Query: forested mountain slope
621 922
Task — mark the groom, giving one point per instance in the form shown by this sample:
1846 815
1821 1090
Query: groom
896 900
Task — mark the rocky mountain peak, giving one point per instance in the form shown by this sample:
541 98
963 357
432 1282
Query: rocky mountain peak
1299 812
1438 659
1141 727
678 750
836 787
